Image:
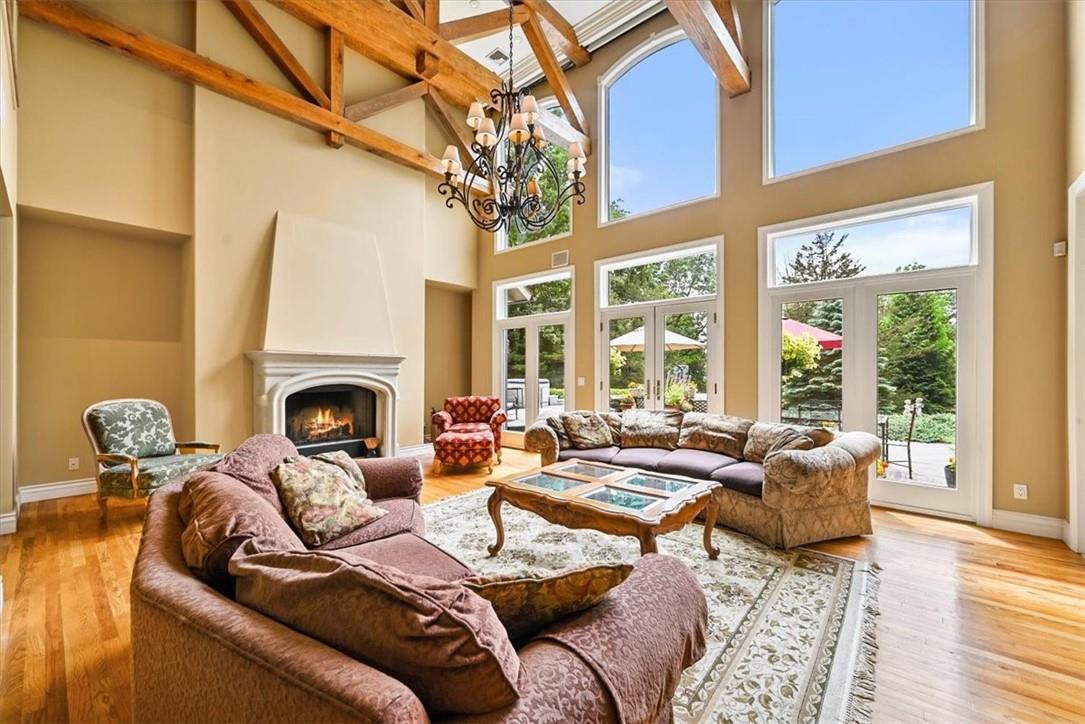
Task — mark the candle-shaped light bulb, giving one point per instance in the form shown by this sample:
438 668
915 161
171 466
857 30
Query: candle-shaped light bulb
475 115
530 108
518 132
576 150
451 161
538 138
576 169
487 133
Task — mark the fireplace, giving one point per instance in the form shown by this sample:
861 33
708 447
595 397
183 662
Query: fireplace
327 401
332 417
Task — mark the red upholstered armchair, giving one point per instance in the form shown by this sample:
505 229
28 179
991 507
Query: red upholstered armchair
468 431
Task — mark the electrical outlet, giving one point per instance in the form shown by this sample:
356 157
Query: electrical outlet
73 463
1020 491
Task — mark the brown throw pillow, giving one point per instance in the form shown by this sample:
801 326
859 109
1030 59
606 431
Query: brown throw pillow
220 513
766 438
526 604
651 428
322 500
587 432
437 637
557 424
253 461
722 434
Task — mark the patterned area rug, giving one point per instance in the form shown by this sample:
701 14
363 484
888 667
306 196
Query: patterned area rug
791 633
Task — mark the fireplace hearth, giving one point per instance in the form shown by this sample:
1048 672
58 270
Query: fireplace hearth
331 417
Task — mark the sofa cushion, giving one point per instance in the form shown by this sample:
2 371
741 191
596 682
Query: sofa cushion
769 437
693 463
253 461
645 458
412 554
587 432
526 604
722 434
401 515
220 513
599 455
744 477
116 480
651 428
322 500
140 428
440 639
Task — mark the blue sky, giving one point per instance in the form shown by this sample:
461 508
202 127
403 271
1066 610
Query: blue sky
935 239
663 130
870 75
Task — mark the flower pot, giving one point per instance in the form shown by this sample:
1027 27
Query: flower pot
951 476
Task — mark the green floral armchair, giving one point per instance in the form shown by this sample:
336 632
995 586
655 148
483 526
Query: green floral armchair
135 450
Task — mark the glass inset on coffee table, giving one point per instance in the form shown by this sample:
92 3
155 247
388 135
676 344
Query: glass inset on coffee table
607 498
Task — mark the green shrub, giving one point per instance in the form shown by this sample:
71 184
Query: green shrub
938 427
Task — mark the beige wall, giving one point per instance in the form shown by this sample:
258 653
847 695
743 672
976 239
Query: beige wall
1075 28
1021 150
99 317
104 137
448 344
9 148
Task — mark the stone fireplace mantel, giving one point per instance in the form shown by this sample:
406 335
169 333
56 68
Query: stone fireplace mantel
277 374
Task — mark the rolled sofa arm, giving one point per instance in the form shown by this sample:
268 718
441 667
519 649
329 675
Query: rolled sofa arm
834 473
391 477
441 421
542 439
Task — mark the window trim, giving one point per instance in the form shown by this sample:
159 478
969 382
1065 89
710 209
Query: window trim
978 93
655 43
501 237
498 324
981 274
717 400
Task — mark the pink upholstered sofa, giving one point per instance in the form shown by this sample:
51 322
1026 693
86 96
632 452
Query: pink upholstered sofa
200 656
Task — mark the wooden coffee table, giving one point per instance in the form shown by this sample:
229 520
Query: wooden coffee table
609 499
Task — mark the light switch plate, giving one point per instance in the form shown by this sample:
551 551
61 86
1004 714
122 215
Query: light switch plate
580 381
1059 248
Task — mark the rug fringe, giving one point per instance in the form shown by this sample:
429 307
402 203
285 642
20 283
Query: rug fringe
861 698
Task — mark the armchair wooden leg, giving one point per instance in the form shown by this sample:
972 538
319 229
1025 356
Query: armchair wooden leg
436 466
498 457
103 508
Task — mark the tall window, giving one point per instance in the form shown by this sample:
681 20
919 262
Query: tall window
660 120
562 223
848 79
533 347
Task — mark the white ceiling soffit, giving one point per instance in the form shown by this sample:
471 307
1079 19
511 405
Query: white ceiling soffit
596 22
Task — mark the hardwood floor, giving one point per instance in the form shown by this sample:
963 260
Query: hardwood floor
977 625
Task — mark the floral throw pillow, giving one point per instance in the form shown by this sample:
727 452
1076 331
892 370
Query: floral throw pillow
766 438
526 604
322 499
343 460
587 432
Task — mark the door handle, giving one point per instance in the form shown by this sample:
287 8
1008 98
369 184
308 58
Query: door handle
658 386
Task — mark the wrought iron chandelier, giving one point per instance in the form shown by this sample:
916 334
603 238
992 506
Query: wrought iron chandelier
509 170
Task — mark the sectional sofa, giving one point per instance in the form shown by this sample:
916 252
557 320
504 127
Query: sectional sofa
784 485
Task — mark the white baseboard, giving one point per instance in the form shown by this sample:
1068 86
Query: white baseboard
50 491
8 522
415 451
1029 524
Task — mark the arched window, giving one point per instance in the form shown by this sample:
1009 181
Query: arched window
660 129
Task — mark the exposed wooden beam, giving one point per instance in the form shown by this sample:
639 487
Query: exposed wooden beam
454 127
377 30
431 14
254 23
710 35
729 15
80 20
479 26
560 133
372 106
414 9
560 31
554 74
333 73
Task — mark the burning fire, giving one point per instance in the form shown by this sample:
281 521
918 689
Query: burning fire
328 424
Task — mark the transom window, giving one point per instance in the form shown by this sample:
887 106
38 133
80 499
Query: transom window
539 295
849 79
660 119
679 274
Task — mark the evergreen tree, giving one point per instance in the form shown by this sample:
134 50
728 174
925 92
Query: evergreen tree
917 348
821 259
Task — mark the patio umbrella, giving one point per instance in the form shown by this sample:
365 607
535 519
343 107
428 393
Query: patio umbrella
634 341
825 338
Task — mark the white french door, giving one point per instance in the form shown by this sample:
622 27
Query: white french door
858 354
534 368
661 355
